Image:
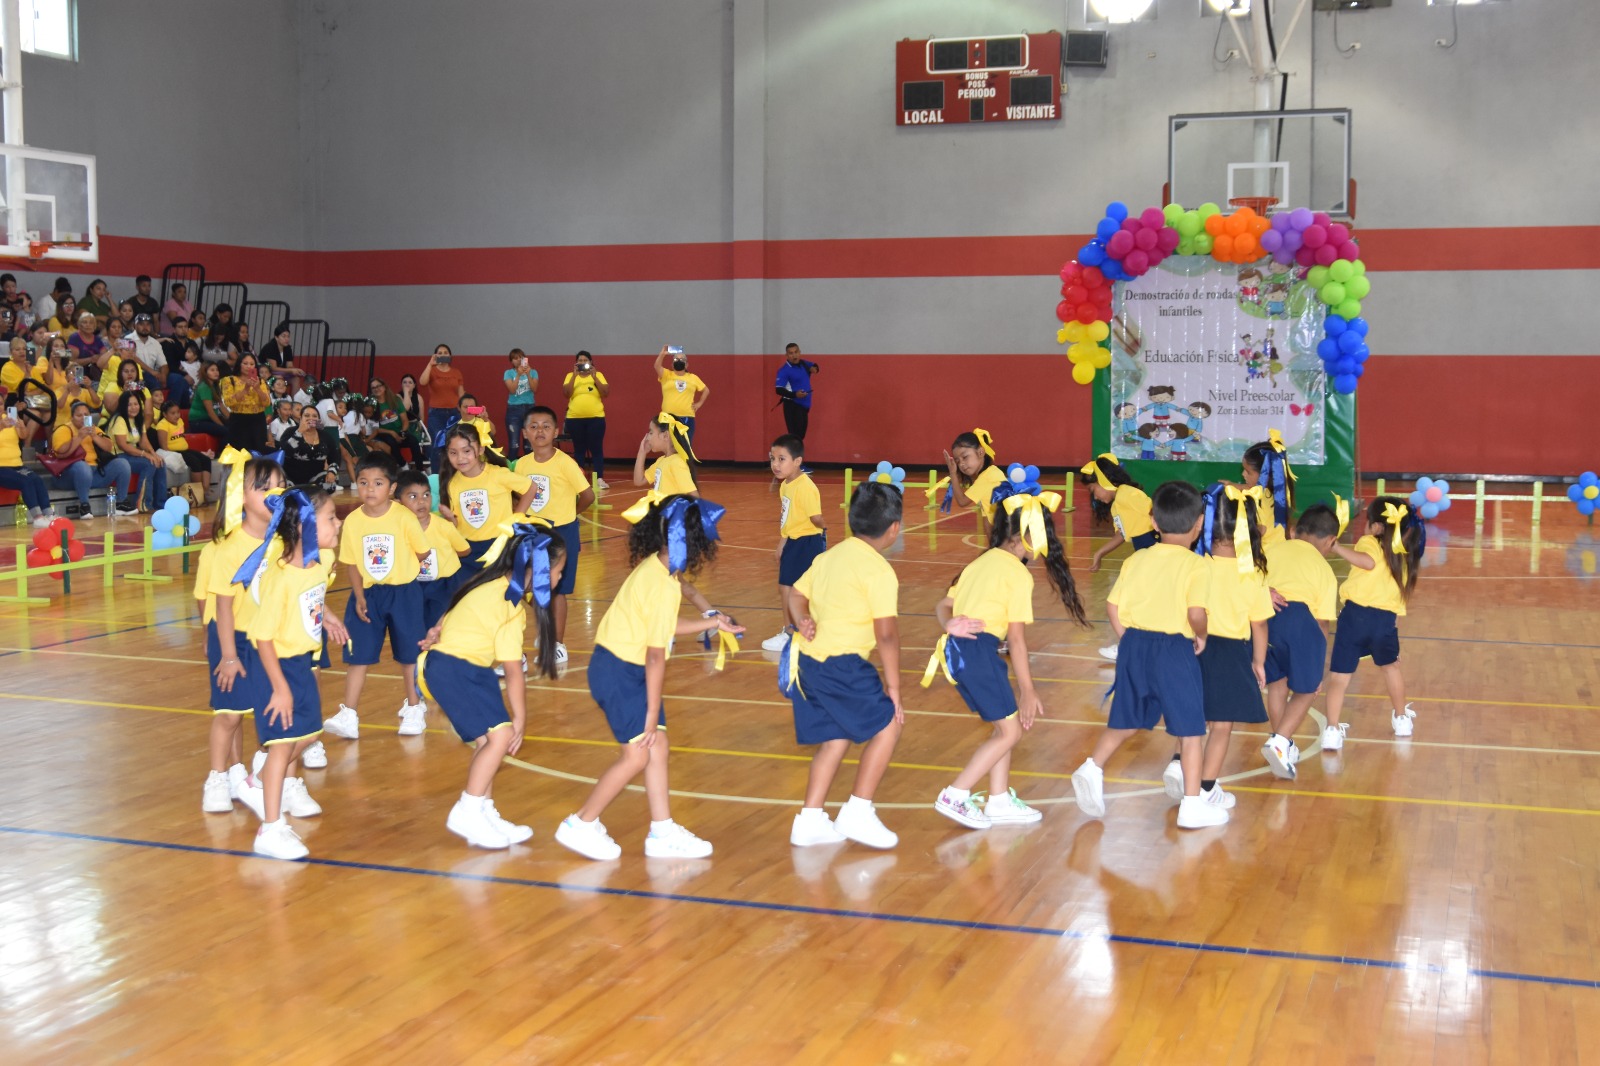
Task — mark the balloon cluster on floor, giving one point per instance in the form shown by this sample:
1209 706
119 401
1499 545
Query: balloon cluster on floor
47 548
1585 494
1125 246
1431 496
170 523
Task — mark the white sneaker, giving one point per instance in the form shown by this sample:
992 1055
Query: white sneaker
344 724
561 654
1172 779
1196 812
471 822
277 841
500 668
963 810
413 718
1218 798
297 801
236 776
588 839
859 822
250 794
1109 652
675 842
217 797
601 484
776 643
1089 785
1277 751
1403 724
315 757
812 829
513 832
257 761
1333 736
1008 809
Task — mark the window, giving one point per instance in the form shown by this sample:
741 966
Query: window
50 28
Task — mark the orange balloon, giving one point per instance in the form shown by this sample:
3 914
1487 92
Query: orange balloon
1214 225
1245 244
1222 246
1260 225
1246 212
1235 225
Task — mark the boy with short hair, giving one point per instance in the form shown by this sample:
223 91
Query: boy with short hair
440 572
844 604
383 546
801 535
1158 609
1297 635
559 491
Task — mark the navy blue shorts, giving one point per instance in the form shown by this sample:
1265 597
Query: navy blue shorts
1296 649
469 695
1145 540
798 555
569 573
249 691
472 562
436 596
1158 679
307 718
395 610
618 687
1365 631
983 677
839 698
1231 692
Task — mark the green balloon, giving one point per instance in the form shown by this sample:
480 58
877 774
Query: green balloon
1208 209
1189 223
1172 212
1341 271
1202 244
1317 276
1359 267
1186 246
1357 288
1349 309
1332 294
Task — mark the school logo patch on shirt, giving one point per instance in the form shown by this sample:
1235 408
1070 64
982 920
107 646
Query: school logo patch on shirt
377 553
311 610
682 385
475 507
657 485
541 491
429 567
783 518
255 582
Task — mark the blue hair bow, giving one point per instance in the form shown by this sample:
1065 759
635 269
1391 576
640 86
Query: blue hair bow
672 510
278 503
530 541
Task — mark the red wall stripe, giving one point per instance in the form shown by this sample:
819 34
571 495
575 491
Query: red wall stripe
1487 248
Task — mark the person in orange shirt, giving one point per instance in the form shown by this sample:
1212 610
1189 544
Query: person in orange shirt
442 388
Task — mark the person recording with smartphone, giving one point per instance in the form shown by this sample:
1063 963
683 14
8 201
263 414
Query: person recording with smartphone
682 393
794 389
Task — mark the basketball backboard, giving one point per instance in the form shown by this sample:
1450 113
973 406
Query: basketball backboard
49 204
1301 158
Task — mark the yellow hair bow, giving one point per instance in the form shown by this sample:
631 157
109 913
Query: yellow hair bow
485 433
1341 507
642 505
937 662
1275 439
985 441
674 428
1033 508
1396 513
1241 525
507 530
233 502
1100 475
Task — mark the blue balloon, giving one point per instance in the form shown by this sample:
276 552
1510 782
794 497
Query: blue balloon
1328 349
1359 325
1575 493
1586 507
177 505
1334 325
1106 229
160 541
1349 341
1587 478
1358 371
1444 504
194 526
1091 254
1117 210
1344 366
1361 353
1429 511
163 520
1345 384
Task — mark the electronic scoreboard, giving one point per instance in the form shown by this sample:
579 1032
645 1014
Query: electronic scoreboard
978 79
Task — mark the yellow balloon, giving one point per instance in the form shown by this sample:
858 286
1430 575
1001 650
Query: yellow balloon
1061 335
1102 358
1590 493
1074 331
1082 373
1099 331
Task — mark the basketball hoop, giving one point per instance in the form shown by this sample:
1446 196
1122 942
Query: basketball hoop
1259 204
37 250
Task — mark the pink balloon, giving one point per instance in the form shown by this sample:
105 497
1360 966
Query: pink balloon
1434 494
1350 250
1152 218
1156 255
1321 218
1168 239
1131 224
1120 244
1145 239
1272 240
1305 257
1325 255
1338 233
1136 262
1314 236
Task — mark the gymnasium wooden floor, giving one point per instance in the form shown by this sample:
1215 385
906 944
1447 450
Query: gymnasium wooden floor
1422 901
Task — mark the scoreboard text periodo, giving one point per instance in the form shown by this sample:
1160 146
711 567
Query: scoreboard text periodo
978 79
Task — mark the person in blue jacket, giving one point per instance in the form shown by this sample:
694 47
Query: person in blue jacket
794 386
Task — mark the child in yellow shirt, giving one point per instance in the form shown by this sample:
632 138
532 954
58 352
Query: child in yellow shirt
485 624
673 539
973 473
671 474
287 633
802 536
479 493
1297 635
559 492
440 571
1383 574
992 601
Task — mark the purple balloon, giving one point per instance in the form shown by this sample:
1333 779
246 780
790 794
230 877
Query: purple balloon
1301 217
1283 257
1292 240
1280 221
1272 240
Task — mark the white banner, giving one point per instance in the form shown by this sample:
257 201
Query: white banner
1208 356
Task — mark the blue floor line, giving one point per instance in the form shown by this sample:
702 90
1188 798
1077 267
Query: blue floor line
828 912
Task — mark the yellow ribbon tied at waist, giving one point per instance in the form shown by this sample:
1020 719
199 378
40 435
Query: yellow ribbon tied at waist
937 662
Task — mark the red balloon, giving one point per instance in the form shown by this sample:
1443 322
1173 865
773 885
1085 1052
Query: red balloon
1167 240
1100 294
1120 244
1092 277
1145 239
1338 233
38 557
1064 311
1306 257
1325 255
1138 261
1153 218
1076 294
1071 271
1314 236
1350 250
1086 313
1321 219
46 539
60 526
75 550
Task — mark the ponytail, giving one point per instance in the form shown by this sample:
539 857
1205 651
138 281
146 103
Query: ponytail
1008 525
1399 521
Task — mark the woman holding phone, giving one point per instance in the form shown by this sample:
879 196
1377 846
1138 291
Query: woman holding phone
442 387
246 399
586 390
